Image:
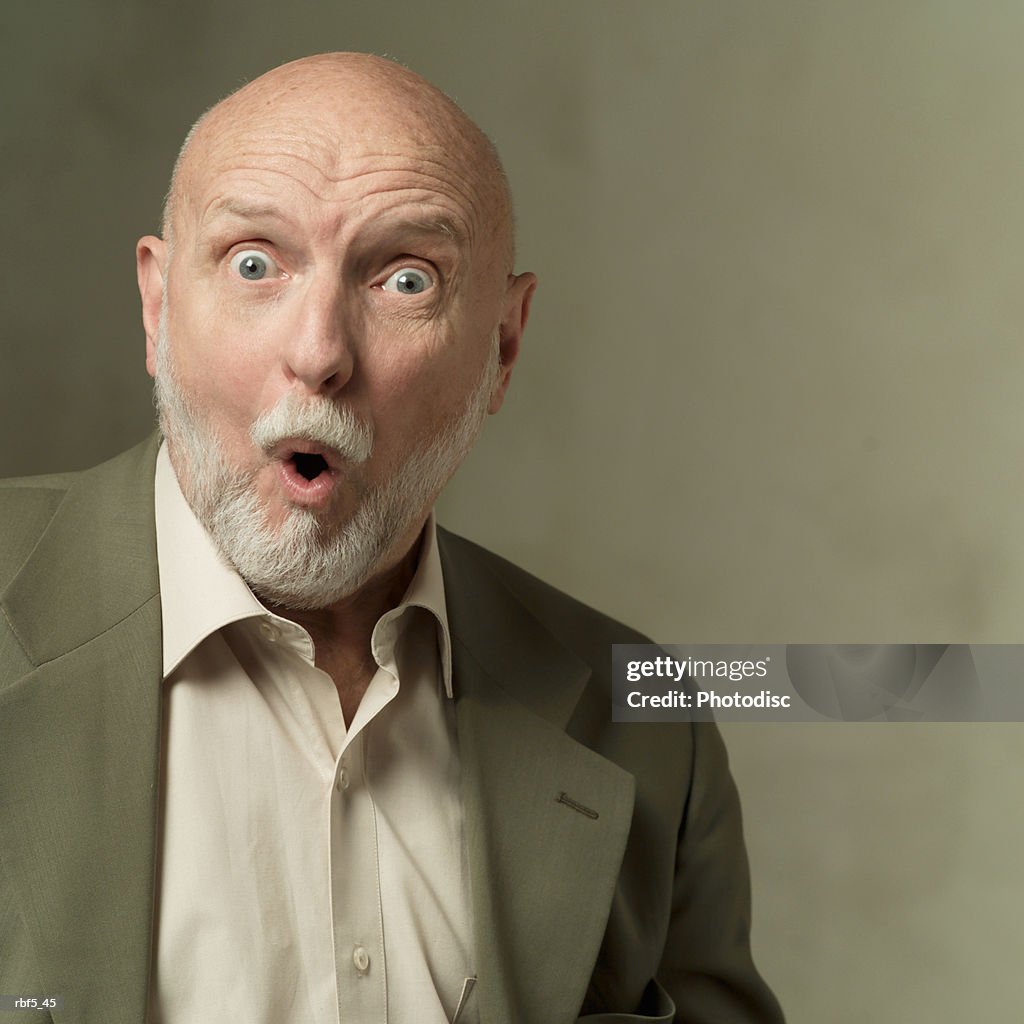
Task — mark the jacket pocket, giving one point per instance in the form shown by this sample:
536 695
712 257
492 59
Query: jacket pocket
661 1010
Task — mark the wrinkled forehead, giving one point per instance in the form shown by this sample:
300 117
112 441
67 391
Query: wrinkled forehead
331 143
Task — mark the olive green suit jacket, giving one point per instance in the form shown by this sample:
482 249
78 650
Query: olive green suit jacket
608 872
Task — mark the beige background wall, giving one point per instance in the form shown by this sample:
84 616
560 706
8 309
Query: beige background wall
770 393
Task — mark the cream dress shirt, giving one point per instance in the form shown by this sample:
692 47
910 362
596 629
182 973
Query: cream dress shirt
309 873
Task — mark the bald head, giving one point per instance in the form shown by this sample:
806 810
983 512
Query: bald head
346 106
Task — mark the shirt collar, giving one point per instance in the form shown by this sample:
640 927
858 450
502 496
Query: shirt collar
426 590
200 593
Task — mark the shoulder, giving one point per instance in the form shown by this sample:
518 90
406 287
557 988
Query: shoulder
582 629
29 504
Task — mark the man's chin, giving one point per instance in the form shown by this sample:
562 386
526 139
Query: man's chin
291 601
307 559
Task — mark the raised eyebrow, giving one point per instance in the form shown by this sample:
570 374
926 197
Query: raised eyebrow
431 225
424 227
228 206
435 226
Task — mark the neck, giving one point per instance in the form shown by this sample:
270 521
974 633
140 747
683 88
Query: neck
350 621
342 632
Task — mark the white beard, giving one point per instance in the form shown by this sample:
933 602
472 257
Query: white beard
307 562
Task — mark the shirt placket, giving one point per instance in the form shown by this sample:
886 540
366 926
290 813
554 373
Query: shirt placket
355 892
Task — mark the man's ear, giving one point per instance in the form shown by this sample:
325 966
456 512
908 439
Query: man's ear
150 266
515 312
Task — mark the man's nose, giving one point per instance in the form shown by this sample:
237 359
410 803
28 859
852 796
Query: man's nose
319 352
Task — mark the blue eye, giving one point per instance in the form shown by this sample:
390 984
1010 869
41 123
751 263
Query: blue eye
408 281
252 265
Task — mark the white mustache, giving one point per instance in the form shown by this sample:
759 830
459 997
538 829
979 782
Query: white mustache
315 419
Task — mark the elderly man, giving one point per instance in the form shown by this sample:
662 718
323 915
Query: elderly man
276 747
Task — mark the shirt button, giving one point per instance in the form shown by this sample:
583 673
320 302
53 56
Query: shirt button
361 959
270 631
343 784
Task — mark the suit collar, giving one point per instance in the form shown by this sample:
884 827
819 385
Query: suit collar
504 639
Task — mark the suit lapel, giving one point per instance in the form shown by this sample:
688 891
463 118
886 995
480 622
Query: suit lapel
546 818
79 762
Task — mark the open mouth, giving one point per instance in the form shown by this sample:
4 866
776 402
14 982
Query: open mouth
309 465
309 471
